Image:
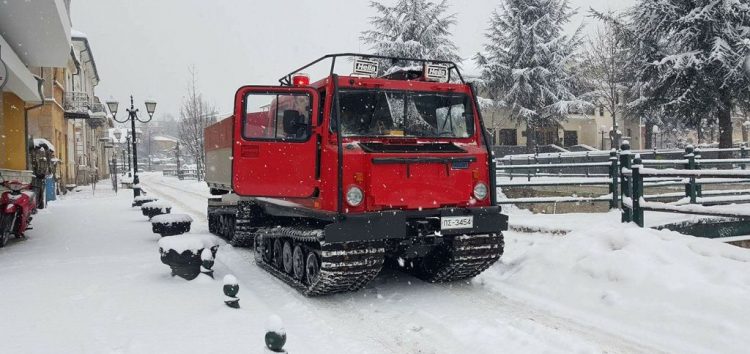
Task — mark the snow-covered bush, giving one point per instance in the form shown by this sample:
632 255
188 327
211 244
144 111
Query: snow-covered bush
183 253
143 199
155 208
171 224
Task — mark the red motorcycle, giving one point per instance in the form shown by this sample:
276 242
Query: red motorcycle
16 206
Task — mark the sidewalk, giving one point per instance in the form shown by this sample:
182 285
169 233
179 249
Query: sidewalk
88 279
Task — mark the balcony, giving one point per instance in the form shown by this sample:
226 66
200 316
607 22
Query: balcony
77 105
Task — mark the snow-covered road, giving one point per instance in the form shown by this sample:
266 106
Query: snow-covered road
88 280
401 314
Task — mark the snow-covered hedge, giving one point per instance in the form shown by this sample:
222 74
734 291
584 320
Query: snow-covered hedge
185 254
192 243
158 204
168 219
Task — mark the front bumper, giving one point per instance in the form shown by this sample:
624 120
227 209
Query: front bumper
400 224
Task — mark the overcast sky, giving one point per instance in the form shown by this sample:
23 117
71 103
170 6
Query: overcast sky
145 47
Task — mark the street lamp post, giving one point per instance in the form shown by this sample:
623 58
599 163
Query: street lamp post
655 132
132 117
127 144
745 130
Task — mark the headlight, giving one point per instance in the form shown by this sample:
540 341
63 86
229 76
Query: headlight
480 191
354 196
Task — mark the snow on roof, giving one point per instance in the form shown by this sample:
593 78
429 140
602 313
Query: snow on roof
43 143
183 243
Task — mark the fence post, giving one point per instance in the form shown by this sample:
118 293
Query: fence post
698 186
510 162
637 191
690 190
613 177
743 155
588 159
625 162
528 170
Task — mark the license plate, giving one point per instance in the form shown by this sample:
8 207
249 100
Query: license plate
456 222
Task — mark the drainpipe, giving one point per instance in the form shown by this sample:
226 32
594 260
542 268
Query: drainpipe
40 85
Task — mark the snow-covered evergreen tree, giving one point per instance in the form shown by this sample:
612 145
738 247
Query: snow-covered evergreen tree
690 56
527 61
412 29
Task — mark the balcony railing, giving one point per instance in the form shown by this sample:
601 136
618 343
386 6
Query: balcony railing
77 103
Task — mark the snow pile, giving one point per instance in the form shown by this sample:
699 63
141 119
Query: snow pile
230 280
171 218
157 204
680 292
144 198
182 243
43 143
274 324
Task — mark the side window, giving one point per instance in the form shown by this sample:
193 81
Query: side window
272 116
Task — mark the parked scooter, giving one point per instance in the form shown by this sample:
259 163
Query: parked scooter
17 204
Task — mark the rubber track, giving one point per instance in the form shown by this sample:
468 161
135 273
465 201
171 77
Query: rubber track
468 256
344 267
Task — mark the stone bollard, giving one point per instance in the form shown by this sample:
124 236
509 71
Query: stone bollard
275 335
231 288
207 262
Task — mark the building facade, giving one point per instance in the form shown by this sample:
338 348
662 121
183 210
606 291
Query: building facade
24 47
51 120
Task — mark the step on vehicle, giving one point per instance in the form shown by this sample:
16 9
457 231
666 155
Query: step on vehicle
17 204
328 181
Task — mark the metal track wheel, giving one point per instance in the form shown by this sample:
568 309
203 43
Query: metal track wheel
286 254
277 262
312 268
298 262
266 250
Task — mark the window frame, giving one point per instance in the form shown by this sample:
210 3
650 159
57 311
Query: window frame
468 102
311 119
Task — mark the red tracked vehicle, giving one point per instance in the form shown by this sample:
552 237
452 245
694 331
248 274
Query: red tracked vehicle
329 180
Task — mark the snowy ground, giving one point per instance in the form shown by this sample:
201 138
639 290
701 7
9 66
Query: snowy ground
88 280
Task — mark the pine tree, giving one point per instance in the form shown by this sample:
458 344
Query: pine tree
691 56
412 29
527 61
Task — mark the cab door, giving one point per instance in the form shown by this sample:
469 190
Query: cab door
274 150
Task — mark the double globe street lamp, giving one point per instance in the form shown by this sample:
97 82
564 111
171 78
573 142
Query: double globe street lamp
132 117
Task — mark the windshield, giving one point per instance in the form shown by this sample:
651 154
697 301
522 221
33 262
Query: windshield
404 113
